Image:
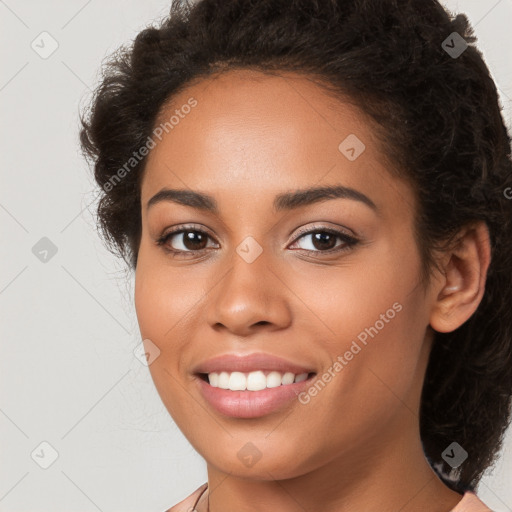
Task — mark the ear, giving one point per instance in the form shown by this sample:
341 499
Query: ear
462 286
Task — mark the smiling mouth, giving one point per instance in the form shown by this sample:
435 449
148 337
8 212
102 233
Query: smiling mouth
253 381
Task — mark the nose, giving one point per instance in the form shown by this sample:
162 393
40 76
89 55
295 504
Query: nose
248 298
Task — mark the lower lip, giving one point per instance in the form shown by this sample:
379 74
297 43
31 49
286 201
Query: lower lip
251 404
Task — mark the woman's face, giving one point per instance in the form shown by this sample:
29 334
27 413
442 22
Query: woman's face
253 282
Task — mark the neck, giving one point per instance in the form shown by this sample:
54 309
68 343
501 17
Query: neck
389 475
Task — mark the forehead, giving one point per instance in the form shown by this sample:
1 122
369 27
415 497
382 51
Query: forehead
251 132
241 109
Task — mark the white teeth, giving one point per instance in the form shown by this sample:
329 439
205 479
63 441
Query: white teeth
223 380
214 379
256 381
237 381
274 379
288 378
253 381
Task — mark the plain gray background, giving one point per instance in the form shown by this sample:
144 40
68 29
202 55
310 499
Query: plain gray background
69 376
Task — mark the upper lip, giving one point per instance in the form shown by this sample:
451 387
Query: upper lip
248 363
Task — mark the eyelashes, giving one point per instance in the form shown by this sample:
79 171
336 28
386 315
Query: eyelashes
347 241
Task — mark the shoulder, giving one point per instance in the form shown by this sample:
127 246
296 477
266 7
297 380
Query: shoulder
187 505
471 503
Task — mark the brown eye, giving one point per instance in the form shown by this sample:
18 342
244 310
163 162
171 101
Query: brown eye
324 240
194 240
185 240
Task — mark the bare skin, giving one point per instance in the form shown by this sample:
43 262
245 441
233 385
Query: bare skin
355 446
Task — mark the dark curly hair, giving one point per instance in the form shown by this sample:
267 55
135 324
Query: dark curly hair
437 115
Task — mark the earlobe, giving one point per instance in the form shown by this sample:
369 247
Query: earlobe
461 289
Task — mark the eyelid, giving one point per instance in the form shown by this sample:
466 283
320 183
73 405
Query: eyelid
186 227
322 227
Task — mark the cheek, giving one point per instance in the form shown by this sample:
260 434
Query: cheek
163 299
370 384
377 325
153 305
164 304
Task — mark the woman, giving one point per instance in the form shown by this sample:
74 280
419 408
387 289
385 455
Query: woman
313 197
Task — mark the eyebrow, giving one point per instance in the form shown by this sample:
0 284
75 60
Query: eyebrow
284 201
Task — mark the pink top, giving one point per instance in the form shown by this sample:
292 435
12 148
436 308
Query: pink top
469 502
